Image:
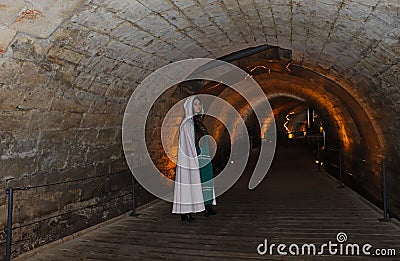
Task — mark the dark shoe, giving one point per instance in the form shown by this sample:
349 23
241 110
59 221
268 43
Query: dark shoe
191 217
186 217
209 211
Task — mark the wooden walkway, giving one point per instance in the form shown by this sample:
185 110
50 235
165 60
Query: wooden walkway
294 204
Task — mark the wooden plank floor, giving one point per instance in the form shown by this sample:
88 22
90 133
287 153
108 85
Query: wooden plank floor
294 204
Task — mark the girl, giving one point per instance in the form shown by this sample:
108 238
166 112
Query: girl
194 190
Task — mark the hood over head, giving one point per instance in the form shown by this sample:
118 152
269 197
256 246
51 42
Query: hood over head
188 106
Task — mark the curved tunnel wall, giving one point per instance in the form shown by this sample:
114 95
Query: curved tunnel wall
345 121
68 70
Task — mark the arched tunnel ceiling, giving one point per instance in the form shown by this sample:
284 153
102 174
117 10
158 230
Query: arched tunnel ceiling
354 40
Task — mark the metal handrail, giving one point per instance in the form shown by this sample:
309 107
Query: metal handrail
9 222
10 191
340 165
384 185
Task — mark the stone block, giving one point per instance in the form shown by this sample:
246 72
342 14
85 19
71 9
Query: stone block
138 58
84 81
176 18
374 28
76 155
9 97
70 34
129 10
114 120
11 146
36 97
12 167
158 6
92 45
70 100
54 120
116 50
98 106
14 120
128 33
118 165
60 56
53 158
155 24
97 154
86 136
42 18
93 120
102 20
197 15
30 76
6 36
105 66
106 136
388 12
9 69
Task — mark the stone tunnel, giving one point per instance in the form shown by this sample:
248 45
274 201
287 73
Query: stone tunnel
68 69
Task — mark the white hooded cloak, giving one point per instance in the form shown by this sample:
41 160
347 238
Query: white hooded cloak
188 196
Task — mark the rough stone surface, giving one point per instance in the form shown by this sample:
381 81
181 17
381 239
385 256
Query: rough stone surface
67 70
39 18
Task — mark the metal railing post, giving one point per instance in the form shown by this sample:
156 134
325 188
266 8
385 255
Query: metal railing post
133 213
318 156
9 191
385 216
340 170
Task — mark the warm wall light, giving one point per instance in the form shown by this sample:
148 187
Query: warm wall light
268 70
287 66
287 121
214 86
